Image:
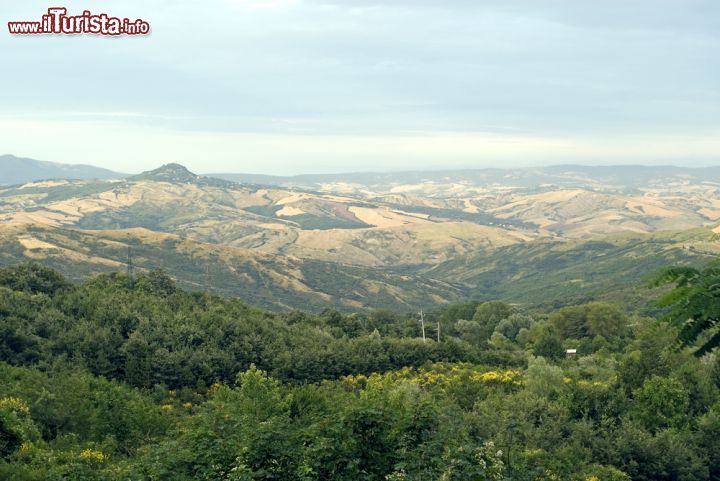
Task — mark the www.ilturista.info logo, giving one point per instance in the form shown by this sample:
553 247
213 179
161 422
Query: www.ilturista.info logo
57 21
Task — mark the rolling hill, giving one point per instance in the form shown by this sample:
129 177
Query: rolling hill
271 281
18 170
609 268
305 224
409 242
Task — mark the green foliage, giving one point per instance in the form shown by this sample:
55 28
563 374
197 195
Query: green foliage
73 403
32 278
709 434
661 403
473 463
548 345
511 326
471 331
544 379
589 320
156 282
150 332
459 310
694 304
16 426
489 314
320 222
122 381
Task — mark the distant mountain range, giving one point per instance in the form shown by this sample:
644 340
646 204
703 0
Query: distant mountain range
621 177
19 170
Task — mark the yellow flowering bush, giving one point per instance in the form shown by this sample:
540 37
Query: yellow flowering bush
92 455
504 377
438 375
14 404
588 384
17 428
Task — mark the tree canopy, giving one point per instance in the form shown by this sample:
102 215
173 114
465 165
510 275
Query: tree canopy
694 304
131 381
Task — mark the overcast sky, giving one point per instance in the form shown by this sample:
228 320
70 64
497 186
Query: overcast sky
295 86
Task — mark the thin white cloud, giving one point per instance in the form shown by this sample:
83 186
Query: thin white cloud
293 69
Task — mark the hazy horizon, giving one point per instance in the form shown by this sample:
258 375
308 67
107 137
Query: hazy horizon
374 171
293 86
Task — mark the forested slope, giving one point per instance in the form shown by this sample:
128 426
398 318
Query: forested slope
120 379
611 267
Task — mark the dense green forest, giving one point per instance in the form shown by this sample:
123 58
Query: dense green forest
136 379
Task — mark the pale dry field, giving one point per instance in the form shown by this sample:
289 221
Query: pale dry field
394 234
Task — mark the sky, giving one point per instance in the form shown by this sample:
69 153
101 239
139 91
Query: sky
310 86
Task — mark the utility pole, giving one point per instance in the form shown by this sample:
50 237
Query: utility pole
207 277
130 266
438 332
422 324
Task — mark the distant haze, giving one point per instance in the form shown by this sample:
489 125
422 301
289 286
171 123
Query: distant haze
323 86
19 170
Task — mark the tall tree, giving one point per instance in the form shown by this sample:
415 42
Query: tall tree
694 304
